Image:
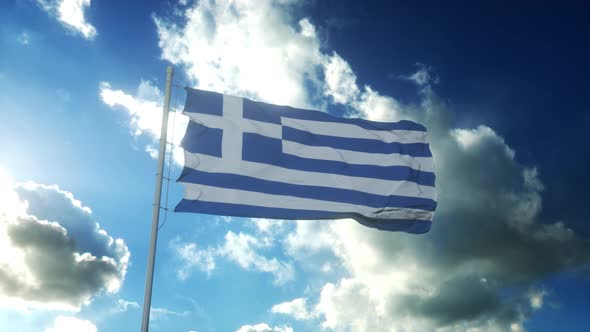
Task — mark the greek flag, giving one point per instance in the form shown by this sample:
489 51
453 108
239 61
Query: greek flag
251 159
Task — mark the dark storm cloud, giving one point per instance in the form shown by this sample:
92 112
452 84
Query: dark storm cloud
464 298
481 263
50 203
488 235
66 256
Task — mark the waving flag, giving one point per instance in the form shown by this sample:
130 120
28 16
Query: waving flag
251 159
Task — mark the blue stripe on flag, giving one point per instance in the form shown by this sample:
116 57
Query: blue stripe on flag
356 144
241 182
272 113
199 101
201 139
249 211
262 149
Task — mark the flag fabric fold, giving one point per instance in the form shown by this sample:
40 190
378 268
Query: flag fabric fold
252 159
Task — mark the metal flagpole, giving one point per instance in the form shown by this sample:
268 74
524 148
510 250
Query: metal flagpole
149 278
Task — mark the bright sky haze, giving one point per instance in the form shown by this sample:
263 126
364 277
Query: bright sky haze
501 87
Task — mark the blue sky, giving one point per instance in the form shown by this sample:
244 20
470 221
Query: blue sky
501 88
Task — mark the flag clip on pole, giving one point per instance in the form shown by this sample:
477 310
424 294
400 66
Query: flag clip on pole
149 278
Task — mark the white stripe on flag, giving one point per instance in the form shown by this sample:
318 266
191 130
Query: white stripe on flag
234 196
353 131
262 171
357 158
315 127
246 125
231 143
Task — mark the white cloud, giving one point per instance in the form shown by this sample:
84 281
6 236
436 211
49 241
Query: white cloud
70 13
383 293
162 313
145 115
376 107
244 48
237 47
486 238
123 305
299 243
493 233
340 80
536 299
296 308
340 84
422 77
269 227
263 327
192 257
53 255
241 249
71 324
348 305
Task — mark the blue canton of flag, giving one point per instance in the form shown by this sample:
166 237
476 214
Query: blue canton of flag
251 159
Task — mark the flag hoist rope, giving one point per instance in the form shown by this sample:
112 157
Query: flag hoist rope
149 278
170 159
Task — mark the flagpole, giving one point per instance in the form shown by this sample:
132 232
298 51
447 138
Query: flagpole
149 278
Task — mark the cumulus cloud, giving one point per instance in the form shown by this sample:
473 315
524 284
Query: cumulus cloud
263 327
192 257
340 80
238 47
144 110
296 308
71 324
487 236
269 227
53 254
240 248
70 13
245 48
